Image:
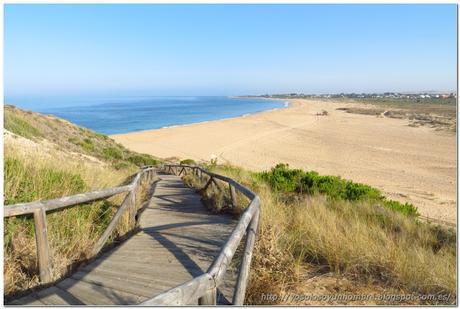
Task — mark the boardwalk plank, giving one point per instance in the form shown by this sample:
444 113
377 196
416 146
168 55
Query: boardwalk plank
92 294
178 240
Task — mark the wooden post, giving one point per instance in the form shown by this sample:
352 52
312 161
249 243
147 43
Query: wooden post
111 227
41 237
216 184
243 274
132 207
208 299
232 195
207 184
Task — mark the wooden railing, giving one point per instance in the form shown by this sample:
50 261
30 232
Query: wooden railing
204 287
40 208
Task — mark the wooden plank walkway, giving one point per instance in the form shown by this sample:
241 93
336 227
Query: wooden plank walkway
178 241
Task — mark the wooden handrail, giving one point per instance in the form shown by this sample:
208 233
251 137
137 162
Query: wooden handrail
39 209
29 208
204 287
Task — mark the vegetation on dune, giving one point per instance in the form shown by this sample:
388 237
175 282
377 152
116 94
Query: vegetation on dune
310 224
285 180
49 158
440 114
72 138
19 126
187 162
311 221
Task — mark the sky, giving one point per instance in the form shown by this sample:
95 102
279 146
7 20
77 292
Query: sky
177 49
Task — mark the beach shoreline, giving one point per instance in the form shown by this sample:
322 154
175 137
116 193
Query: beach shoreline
287 105
382 152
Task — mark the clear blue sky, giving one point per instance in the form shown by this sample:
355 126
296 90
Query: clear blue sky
227 49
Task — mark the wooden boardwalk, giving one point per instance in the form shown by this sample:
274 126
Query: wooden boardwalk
178 241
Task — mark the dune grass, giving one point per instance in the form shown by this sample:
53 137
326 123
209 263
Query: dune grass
40 171
359 238
71 137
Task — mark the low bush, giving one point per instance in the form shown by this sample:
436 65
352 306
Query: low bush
346 231
284 179
188 162
142 160
112 153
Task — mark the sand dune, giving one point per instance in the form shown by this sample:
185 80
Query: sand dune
416 165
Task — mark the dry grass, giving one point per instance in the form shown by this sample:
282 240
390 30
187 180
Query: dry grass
440 117
39 170
361 241
46 157
216 197
72 138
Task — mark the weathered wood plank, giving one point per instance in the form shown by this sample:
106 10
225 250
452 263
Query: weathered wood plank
209 298
248 193
41 238
207 184
184 294
27 208
56 296
48 205
232 195
110 228
92 294
118 282
29 300
243 274
179 240
219 266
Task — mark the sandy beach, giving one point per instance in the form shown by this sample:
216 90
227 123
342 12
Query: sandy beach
416 165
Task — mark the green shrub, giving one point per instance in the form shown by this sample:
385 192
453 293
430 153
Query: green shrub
188 162
112 153
283 179
357 191
142 160
87 145
406 208
120 165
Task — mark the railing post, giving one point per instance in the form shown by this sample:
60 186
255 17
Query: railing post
41 237
232 194
207 184
132 206
243 274
125 207
208 299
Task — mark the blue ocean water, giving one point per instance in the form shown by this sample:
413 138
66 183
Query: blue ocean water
129 114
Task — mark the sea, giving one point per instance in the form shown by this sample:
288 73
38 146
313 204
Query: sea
130 114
